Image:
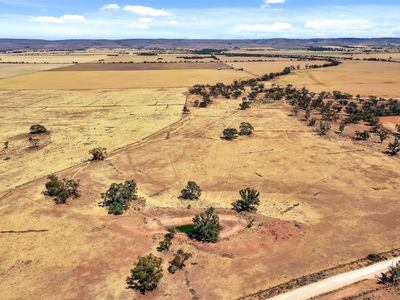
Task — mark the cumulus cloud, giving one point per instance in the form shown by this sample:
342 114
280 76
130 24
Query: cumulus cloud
111 7
146 11
267 3
62 19
275 27
173 22
338 24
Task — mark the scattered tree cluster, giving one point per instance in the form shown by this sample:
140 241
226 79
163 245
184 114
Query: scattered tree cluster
191 192
230 134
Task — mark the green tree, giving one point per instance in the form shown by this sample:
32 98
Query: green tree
246 128
98 153
244 105
362 135
38 129
61 189
230 134
248 202
323 128
206 226
383 133
118 197
146 274
178 262
191 192
394 147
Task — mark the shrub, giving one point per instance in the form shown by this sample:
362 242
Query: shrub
166 243
394 147
178 262
34 142
362 135
206 226
191 192
119 196
248 202
38 129
146 275
392 276
312 122
383 133
342 126
323 128
61 189
230 134
244 105
98 153
246 128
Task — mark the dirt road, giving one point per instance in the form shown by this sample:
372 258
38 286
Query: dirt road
336 282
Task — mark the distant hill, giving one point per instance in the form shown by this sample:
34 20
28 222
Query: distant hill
24 44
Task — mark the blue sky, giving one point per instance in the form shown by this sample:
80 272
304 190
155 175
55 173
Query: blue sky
54 19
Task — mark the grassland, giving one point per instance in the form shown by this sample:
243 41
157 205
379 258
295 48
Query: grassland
11 70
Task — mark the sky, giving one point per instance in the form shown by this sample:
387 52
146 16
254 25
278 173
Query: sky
198 19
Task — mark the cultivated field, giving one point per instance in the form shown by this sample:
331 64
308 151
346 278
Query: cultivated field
70 80
364 78
11 70
154 58
61 58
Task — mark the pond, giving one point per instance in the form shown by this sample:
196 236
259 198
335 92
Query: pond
185 228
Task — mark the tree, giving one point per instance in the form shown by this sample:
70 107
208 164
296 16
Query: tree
38 129
244 105
191 192
98 153
61 189
248 202
394 147
383 133
206 226
312 122
342 127
166 243
146 274
230 134
118 197
362 135
392 276
246 128
323 128
178 262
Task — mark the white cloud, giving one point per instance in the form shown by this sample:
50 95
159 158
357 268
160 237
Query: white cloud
274 1
63 19
145 20
173 22
146 11
275 27
111 7
338 24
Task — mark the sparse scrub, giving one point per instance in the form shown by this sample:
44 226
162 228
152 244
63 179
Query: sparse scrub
323 128
394 147
118 197
362 135
34 142
38 129
146 274
61 189
166 243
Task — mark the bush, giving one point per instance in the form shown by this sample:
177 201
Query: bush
98 153
312 122
362 135
119 196
323 128
166 243
34 142
392 276
38 129
246 128
248 202
191 192
178 262
206 226
61 189
244 105
394 147
383 133
230 134
146 275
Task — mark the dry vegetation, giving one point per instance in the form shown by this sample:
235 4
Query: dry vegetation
323 201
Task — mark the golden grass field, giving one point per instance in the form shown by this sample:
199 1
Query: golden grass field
118 80
61 58
324 201
78 121
364 78
11 70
